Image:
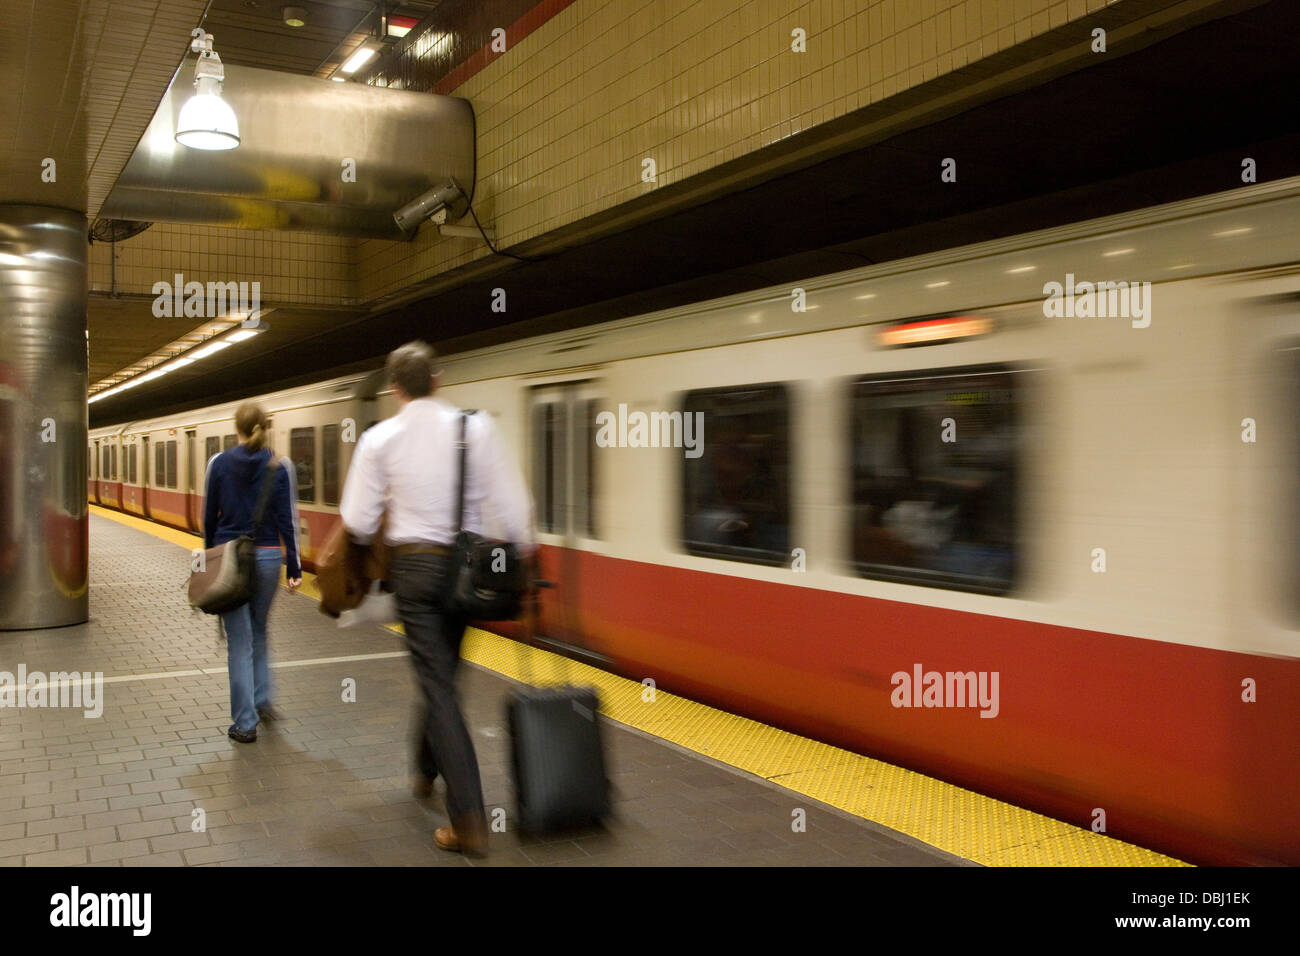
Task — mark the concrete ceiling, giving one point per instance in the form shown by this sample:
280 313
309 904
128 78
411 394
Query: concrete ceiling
1168 121
253 32
81 79
79 82
121 338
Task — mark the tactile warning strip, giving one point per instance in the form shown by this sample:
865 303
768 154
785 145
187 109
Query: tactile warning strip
945 816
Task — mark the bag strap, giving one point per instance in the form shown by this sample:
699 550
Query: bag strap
263 496
462 449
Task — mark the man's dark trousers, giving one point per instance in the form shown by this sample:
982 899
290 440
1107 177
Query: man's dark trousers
443 744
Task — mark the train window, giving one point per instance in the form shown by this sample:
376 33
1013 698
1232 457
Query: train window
211 447
160 464
302 452
90 457
935 467
130 464
736 493
229 442
171 464
563 450
329 463
113 472
104 472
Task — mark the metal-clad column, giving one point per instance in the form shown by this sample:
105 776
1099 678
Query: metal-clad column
43 510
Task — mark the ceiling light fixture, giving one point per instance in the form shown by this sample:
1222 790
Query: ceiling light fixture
212 348
294 16
357 60
206 120
205 349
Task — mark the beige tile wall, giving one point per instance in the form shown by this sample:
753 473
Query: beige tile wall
294 268
566 117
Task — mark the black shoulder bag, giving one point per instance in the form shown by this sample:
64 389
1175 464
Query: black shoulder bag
487 579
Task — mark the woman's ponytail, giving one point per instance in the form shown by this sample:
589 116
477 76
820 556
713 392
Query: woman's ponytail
252 424
257 440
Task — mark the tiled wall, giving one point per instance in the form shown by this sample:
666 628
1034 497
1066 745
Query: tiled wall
566 116
294 268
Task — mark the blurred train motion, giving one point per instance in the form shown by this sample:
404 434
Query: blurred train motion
923 471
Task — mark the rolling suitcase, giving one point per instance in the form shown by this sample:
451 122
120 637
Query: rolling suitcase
556 757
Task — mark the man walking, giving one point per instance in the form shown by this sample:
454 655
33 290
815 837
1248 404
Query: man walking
408 465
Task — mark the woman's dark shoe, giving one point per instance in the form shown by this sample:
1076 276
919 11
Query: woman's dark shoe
244 737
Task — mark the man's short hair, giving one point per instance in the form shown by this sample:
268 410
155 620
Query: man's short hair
412 366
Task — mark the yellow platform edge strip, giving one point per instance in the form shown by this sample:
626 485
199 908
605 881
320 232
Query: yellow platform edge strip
950 818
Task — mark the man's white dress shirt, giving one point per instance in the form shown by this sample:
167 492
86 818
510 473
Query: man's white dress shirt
407 466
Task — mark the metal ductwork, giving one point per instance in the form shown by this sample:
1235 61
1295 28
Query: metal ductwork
341 158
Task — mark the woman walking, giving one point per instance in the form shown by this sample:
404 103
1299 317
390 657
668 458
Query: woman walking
234 482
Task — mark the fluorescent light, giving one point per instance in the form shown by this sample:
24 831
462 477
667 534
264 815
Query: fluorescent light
357 60
189 358
338 79
1240 230
937 285
869 295
1116 252
211 349
1019 269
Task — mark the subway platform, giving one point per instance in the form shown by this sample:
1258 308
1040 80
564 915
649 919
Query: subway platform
329 784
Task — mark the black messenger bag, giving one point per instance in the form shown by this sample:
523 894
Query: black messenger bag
487 579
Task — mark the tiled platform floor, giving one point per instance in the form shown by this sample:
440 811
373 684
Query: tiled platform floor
329 785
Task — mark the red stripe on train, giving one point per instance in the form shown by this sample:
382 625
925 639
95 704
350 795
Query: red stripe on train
1155 734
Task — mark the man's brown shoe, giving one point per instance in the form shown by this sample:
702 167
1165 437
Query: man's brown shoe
448 839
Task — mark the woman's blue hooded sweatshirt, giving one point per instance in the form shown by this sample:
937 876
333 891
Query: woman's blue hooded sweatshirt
233 483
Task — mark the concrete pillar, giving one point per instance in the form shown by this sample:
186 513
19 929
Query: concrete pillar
44 552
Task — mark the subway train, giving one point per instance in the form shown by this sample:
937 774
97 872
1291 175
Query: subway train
1020 515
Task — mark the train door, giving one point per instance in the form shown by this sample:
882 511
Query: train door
145 462
96 472
191 482
562 467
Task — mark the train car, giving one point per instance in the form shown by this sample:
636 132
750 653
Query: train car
1021 515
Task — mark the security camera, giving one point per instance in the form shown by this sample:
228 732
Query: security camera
426 205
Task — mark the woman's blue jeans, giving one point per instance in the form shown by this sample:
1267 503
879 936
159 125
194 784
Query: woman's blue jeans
246 656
